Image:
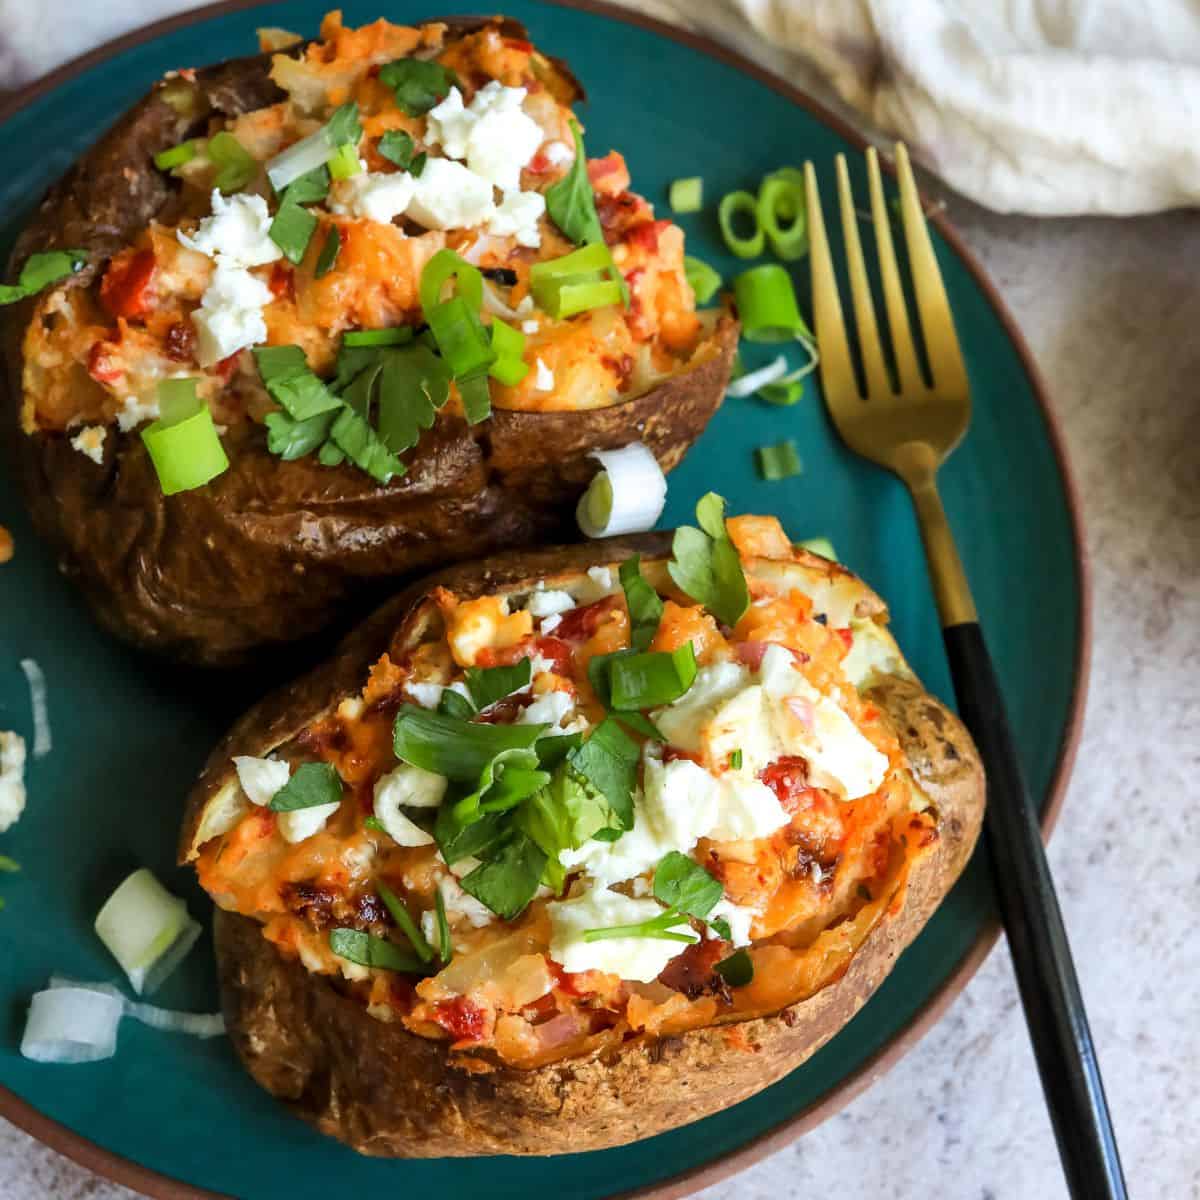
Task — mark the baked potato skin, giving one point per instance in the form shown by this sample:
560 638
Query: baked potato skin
386 1091
267 552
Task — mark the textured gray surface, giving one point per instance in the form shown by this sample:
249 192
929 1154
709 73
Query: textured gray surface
1111 311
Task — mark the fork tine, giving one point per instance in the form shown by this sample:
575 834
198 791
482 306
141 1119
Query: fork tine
878 385
837 370
893 292
937 324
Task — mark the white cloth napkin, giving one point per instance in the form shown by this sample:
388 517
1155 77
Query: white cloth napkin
1035 106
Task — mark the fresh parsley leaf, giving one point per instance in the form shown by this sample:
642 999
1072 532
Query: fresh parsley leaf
418 165
419 85
40 270
311 784
599 671
9 866
363 447
457 841
297 389
640 723
329 253
705 564
644 603
397 147
722 929
571 202
445 945
404 922
413 386
292 439
652 679
343 128
476 396
450 746
490 794
360 392
683 885
737 970
507 883
330 455
292 230
554 749
455 704
489 684
512 785
370 951
307 188
607 762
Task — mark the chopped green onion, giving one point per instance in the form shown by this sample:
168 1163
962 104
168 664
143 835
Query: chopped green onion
509 345
487 685
822 546
419 84
445 945
176 156
461 337
509 371
374 824
404 922
329 253
458 749
746 383
147 930
701 278
780 461
627 495
311 784
587 260
737 970
308 156
308 188
643 602
686 195
735 760
343 127
183 444
369 951
740 204
292 230
344 162
40 270
236 166
397 147
566 297
398 335
781 213
783 394
9 866
439 270
766 303
653 678
667 926
476 398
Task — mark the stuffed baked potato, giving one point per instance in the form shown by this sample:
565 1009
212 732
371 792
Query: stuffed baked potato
554 856
318 203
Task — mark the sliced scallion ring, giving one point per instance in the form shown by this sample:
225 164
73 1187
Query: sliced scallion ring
72 1025
766 303
737 204
627 495
586 278
183 443
702 279
236 166
686 195
439 270
781 213
176 156
751 381
147 930
344 162
781 461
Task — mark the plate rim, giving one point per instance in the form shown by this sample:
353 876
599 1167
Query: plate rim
157 1186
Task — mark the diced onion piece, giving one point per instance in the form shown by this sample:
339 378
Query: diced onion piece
298 159
686 195
731 206
147 930
72 1025
42 741
748 384
626 496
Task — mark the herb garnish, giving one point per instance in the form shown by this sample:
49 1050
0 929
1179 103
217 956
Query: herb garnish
571 202
419 85
507 882
397 147
292 230
737 970
311 784
489 684
405 923
329 253
370 951
40 270
644 603
705 563
607 762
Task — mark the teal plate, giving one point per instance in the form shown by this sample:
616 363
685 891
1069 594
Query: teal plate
175 1117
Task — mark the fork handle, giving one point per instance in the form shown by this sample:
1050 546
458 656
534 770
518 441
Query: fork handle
1054 1010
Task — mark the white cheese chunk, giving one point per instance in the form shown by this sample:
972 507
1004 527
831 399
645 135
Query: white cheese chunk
739 918
302 823
134 411
635 958
12 778
427 695
237 233
89 441
746 810
551 623
544 379
495 136
449 125
545 603
683 723
449 196
548 709
517 216
462 906
530 326
261 778
377 196
558 154
407 786
230 314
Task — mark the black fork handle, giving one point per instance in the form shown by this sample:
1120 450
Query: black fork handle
1054 1011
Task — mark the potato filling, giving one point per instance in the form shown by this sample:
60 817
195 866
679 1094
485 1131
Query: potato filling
481 878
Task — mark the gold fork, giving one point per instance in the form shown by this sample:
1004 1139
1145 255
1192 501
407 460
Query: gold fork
911 429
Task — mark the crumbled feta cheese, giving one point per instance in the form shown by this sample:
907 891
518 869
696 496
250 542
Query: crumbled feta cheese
378 196
558 154
303 823
495 136
551 623
517 215
427 695
238 232
544 379
530 326
602 577
683 723
449 125
134 411
739 917
261 778
448 196
89 441
525 307
463 866
547 602
230 314
548 709
639 959
746 810
12 778
407 786
462 906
